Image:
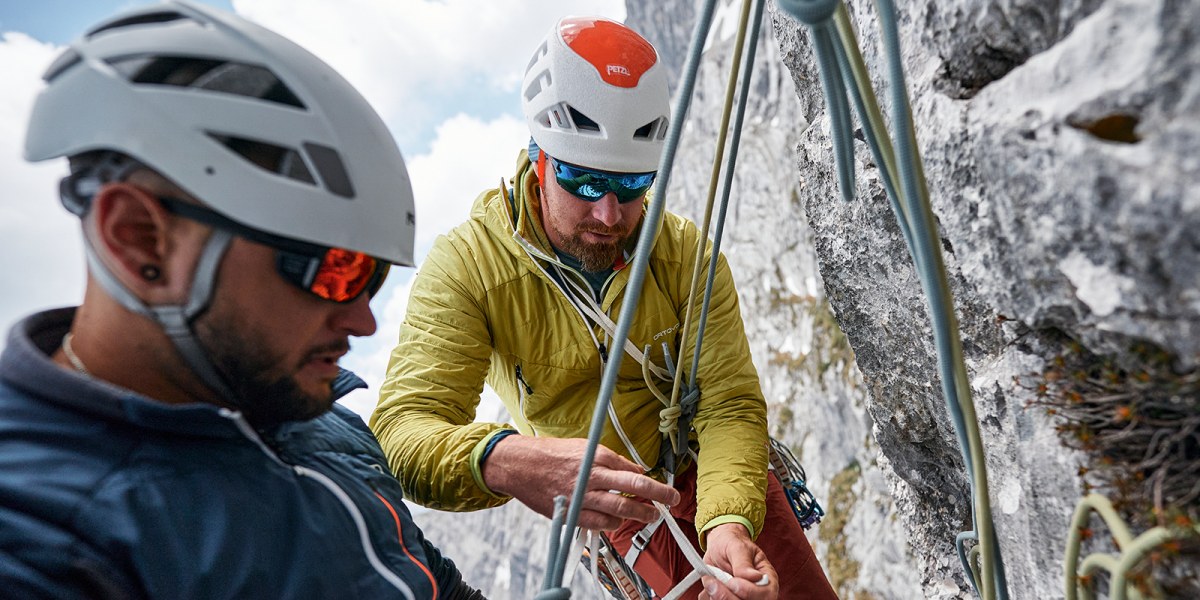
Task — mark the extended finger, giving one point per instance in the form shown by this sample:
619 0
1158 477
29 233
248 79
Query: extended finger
715 590
635 484
619 506
598 521
607 458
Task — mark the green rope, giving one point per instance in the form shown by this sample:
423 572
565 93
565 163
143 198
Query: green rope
904 181
731 87
719 233
1077 575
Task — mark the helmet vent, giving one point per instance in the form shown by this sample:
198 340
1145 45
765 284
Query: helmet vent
537 55
537 85
239 79
652 131
66 60
268 157
142 19
582 121
333 171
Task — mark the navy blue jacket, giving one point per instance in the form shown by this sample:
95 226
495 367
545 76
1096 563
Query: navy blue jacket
108 494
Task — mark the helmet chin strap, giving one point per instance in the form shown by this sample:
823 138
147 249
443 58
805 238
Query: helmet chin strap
176 319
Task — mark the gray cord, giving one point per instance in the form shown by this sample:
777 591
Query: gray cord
718 233
633 290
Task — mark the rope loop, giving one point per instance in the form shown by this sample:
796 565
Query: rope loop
810 12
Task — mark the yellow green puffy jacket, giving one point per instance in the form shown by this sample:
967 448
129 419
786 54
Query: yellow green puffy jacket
481 309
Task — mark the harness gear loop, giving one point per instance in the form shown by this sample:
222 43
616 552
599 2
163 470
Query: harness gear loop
792 477
610 571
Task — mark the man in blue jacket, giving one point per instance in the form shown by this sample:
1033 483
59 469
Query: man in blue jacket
176 435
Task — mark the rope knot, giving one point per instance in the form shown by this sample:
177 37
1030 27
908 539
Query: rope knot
668 418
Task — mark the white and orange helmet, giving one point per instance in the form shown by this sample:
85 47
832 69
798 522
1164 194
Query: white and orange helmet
595 95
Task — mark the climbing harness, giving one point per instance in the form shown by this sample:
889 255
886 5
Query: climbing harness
611 572
562 528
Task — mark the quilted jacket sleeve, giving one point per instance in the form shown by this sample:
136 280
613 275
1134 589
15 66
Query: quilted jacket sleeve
434 379
731 420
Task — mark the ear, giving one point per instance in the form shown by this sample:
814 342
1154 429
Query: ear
132 231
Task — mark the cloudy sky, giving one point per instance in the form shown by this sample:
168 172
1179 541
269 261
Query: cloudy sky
443 73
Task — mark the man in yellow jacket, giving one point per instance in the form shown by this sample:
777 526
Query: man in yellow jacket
524 296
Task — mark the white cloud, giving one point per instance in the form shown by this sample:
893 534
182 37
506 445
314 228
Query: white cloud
41 257
467 157
412 58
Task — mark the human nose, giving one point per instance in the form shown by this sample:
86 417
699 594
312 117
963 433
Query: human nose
355 317
607 210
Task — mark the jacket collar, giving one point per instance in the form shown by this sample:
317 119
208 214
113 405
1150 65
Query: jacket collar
25 365
519 214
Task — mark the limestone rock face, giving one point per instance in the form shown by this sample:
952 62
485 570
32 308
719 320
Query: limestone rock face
1059 143
815 392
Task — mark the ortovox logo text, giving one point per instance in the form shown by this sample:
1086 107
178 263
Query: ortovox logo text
618 69
666 331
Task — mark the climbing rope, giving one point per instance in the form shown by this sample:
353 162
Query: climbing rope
718 153
840 64
563 531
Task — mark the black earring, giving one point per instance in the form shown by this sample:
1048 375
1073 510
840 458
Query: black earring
150 272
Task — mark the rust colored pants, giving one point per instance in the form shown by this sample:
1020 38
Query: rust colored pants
662 563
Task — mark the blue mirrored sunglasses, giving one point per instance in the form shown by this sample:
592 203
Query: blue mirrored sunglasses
591 185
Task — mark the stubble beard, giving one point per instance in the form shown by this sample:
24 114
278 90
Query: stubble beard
265 393
594 257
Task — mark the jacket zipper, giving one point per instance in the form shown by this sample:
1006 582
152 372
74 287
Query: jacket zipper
361 524
523 392
338 492
403 546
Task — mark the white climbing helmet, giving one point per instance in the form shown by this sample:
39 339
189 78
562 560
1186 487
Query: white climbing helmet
198 95
595 95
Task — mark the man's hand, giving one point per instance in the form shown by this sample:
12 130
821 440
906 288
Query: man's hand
535 470
731 549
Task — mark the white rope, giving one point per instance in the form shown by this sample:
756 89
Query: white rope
700 568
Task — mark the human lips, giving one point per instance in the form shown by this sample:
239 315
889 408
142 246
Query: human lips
597 237
325 359
602 234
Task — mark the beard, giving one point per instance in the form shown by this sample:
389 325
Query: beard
595 257
264 390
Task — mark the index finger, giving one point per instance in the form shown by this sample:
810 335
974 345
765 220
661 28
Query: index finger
634 484
605 457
